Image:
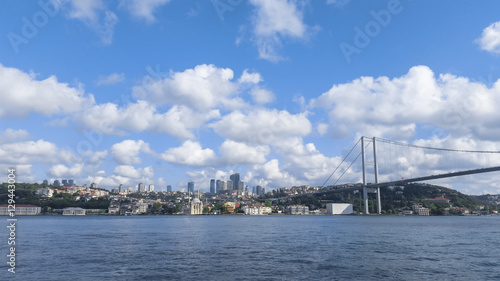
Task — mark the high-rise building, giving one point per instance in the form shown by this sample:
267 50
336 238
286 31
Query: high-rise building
151 188
191 186
120 188
212 186
235 178
141 187
93 185
229 185
65 182
217 186
169 188
46 182
258 190
71 182
241 185
56 183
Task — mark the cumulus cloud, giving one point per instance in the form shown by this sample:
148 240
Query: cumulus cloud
95 15
10 135
396 107
262 96
143 9
127 151
234 153
262 126
19 90
202 88
190 153
108 118
275 20
63 171
490 38
113 78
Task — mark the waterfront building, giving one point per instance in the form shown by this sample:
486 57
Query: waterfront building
212 186
191 186
74 211
339 209
235 179
194 207
21 210
439 200
297 210
256 210
421 211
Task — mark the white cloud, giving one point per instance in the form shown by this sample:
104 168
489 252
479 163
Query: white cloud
10 135
63 171
396 107
203 87
490 38
262 126
19 90
113 78
28 152
95 15
143 9
108 118
275 20
253 78
322 128
127 175
127 151
190 153
233 153
262 96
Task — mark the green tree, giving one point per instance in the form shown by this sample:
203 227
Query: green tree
268 203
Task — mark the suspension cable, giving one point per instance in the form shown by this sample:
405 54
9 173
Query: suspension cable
342 162
434 148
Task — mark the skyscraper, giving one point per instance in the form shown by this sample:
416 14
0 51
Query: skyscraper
191 186
71 182
212 186
56 183
235 178
169 188
241 185
217 186
46 182
151 188
229 185
141 188
259 190
120 188
65 182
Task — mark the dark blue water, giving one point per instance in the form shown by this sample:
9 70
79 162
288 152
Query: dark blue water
254 248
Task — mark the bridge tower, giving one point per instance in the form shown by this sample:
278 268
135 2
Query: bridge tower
367 189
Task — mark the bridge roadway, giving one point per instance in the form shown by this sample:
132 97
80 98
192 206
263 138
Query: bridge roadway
403 181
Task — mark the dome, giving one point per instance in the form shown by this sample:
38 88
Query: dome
196 201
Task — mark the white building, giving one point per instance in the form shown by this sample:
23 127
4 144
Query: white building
74 211
339 209
44 192
151 188
21 210
297 210
256 210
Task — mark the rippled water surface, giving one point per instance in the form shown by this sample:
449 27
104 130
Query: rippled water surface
254 248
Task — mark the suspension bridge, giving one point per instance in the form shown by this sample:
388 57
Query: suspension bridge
404 163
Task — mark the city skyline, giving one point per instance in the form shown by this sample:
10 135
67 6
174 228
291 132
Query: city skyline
166 93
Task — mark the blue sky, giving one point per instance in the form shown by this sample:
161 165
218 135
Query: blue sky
169 91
